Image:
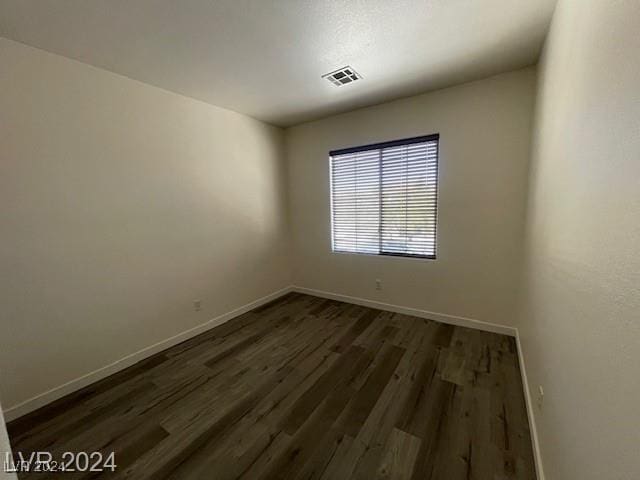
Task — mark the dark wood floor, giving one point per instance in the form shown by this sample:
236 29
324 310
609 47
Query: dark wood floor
304 388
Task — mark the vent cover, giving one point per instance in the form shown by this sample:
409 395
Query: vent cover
342 76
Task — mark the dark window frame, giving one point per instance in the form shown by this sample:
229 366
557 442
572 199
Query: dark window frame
379 146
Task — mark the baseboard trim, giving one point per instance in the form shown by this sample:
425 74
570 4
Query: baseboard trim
440 317
55 393
60 391
530 414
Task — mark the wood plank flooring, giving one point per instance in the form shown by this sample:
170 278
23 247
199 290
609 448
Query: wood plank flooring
303 388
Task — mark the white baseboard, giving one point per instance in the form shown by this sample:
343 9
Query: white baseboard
532 420
440 317
49 396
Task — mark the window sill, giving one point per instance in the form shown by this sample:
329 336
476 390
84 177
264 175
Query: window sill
387 255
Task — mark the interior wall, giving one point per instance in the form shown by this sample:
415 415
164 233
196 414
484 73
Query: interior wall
120 204
485 129
579 314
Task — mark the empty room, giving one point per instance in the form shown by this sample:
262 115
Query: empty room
320 239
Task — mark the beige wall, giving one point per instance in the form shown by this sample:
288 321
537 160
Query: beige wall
485 129
120 203
580 322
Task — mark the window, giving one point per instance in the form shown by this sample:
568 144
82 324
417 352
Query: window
384 198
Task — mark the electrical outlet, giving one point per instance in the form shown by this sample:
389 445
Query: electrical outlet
540 396
197 305
378 284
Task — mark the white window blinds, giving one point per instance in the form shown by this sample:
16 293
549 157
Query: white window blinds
384 198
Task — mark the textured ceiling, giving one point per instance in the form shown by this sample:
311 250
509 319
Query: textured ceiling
265 58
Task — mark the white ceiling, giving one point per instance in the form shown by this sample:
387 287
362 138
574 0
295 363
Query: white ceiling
265 58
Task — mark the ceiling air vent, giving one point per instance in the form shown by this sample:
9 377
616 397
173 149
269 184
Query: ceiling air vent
342 76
